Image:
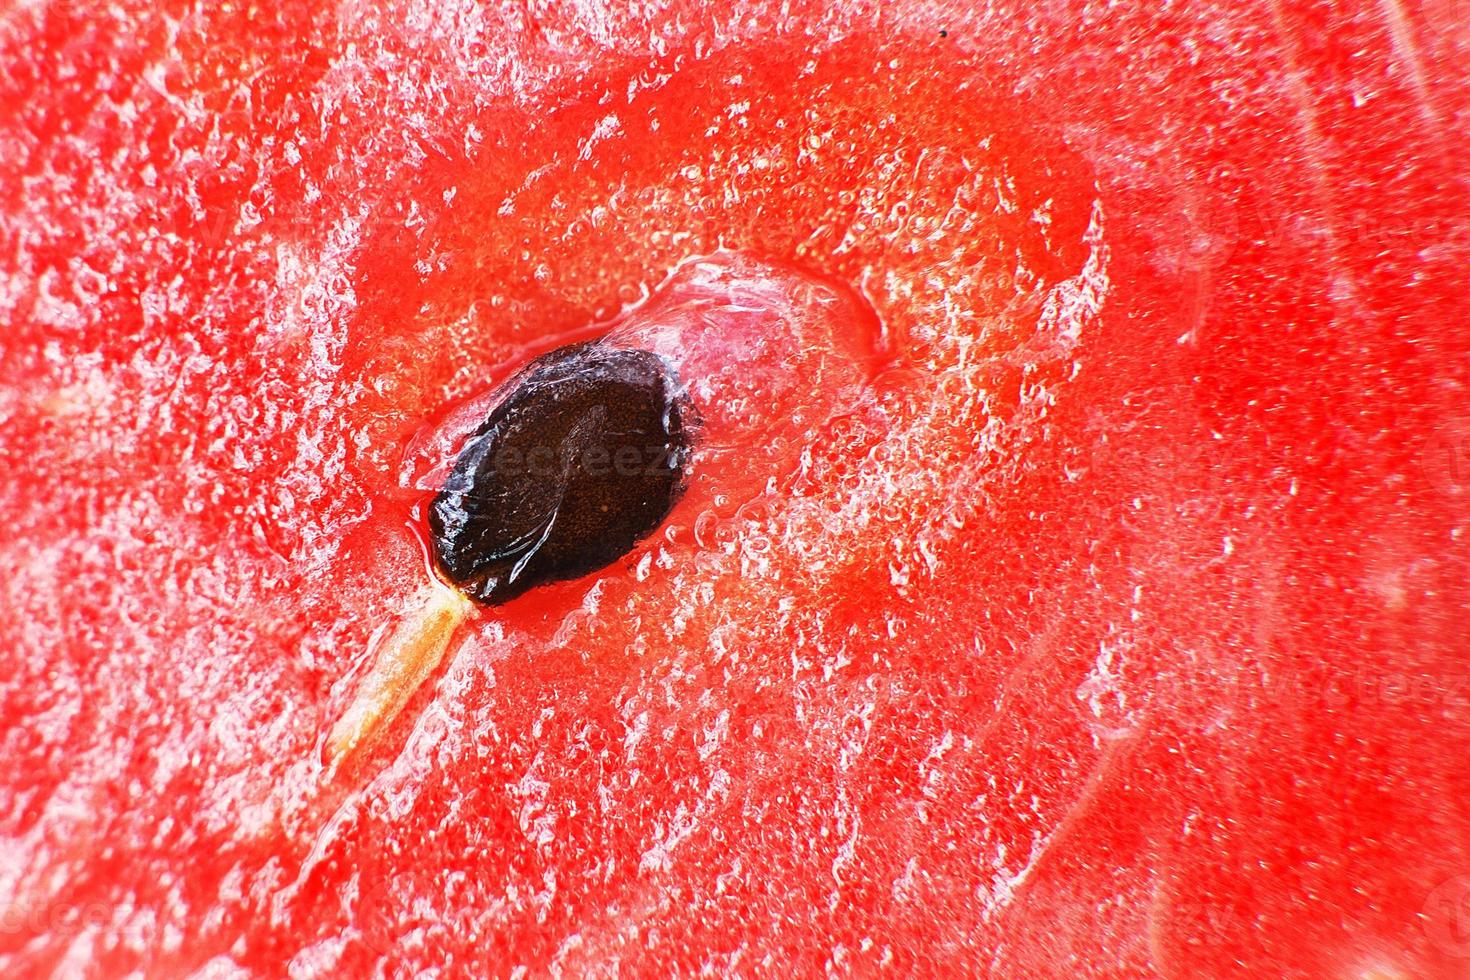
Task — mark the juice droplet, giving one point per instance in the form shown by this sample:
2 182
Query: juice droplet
761 348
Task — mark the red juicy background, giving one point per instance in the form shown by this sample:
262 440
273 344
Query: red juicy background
1121 631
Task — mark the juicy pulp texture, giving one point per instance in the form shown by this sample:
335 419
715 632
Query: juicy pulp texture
1120 631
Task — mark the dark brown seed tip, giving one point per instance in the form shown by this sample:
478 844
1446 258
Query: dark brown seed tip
584 456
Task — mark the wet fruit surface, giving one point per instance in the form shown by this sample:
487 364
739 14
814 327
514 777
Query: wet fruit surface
1110 619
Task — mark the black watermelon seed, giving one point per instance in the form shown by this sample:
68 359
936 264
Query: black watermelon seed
584 457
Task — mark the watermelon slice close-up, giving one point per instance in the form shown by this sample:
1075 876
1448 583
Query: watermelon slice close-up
1063 568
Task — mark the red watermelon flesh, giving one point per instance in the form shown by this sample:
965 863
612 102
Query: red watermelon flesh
1116 629
762 360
